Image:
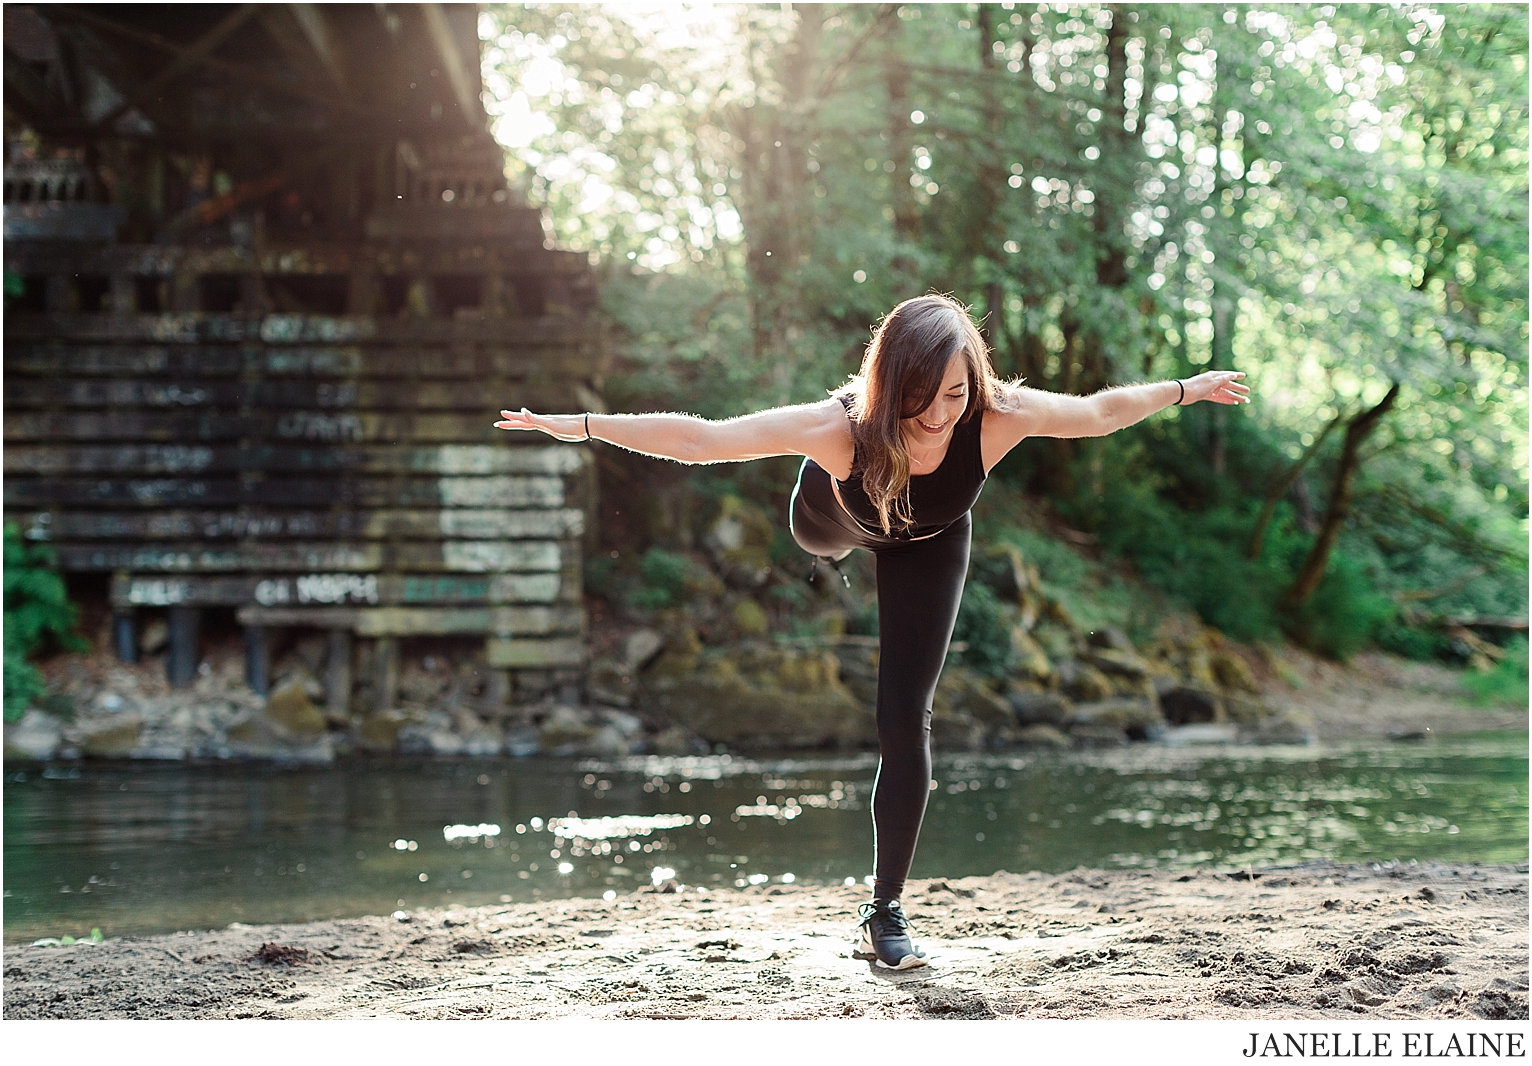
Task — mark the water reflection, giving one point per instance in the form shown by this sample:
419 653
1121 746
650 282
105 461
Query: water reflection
138 849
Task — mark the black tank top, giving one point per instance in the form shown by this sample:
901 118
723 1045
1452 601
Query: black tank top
937 499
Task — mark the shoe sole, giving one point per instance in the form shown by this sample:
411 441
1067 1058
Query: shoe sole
909 962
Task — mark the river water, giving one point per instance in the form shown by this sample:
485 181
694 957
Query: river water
134 849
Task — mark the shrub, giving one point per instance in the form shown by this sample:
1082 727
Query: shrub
37 613
664 574
984 624
1506 684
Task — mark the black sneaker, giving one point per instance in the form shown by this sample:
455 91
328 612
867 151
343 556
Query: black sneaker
885 936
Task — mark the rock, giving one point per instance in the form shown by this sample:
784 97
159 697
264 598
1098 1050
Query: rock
611 683
762 696
987 707
1124 713
379 732
297 674
750 617
1245 710
432 735
1042 735
290 705
1082 682
1097 736
1292 726
259 736
1031 661
1201 733
678 740
1186 705
113 740
35 736
682 654
739 540
641 647
607 742
1111 638
521 741
565 731
1118 662
485 739
1233 672
629 725
1049 708
155 635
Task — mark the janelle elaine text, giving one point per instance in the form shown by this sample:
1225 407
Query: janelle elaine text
1356 1045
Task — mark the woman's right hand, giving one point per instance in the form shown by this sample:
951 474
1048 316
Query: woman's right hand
560 427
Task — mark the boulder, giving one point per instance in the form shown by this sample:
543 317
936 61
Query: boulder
379 732
987 707
35 736
1233 672
564 731
678 740
762 696
611 683
1042 735
629 725
1123 713
1030 658
259 736
750 617
434 734
1188 704
1111 638
1292 726
521 741
1030 708
290 705
483 740
1082 682
681 657
1246 710
110 740
739 540
1201 733
1117 662
641 647
607 742
1097 736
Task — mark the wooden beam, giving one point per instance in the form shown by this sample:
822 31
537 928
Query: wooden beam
312 22
189 58
238 71
452 60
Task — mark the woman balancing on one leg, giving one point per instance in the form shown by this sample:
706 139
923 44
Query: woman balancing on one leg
894 461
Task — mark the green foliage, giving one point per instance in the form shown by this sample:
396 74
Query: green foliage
1344 613
665 577
37 612
984 624
1328 200
1505 685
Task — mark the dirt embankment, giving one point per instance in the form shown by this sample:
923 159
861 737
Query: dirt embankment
1321 941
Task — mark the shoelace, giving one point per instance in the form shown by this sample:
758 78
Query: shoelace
892 916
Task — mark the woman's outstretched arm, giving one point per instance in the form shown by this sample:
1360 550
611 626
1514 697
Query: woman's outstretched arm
1036 413
818 430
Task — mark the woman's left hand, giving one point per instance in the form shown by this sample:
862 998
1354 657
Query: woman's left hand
1219 386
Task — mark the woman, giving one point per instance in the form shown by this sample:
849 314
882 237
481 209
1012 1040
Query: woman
894 461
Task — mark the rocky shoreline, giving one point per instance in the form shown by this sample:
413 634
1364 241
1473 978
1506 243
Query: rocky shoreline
1321 941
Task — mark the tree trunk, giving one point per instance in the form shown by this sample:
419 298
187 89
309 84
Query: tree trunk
1280 487
1313 570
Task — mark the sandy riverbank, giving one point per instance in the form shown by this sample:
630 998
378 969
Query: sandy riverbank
1322 941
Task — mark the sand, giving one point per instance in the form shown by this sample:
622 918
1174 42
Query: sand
1318 941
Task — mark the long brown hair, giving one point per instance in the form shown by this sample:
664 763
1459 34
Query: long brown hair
901 373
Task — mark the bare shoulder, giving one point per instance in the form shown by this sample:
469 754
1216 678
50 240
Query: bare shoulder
1023 413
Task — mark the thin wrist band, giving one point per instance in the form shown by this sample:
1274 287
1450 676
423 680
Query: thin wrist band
587 425
1178 401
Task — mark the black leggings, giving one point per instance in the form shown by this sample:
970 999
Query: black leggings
919 585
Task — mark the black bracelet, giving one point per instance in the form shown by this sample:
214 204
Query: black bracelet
1178 402
587 426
